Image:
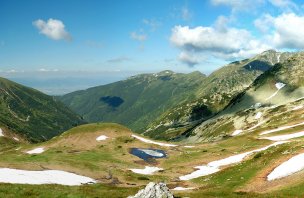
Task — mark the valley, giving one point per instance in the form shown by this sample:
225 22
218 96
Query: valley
252 147
151 99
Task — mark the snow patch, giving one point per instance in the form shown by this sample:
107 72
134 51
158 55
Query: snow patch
152 142
148 170
179 188
281 128
1 133
278 58
299 98
213 167
17 139
284 137
189 146
15 176
152 153
258 115
279 86
236 132
102 137
255 126
291 166
36 151
297 107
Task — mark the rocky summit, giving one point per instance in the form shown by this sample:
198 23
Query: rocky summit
154 190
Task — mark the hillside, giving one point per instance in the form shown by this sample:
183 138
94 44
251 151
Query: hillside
137 101
216 92
274 94
32 115
247 165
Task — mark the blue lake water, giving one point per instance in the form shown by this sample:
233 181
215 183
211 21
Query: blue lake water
148 154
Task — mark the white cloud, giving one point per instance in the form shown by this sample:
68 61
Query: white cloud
264 23
247 5
188 58
289 31
285 4
237 4
52 28
285 31
219 41
138 36
48 70
12 71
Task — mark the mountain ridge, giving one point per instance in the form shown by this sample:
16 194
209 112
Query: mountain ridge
32 114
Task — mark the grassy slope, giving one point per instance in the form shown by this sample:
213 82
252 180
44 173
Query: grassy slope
108 161
145 97
240 112
218 89
32 114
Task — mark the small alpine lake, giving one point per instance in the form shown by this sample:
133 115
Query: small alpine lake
148 154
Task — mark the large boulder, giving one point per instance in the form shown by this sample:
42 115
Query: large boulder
154 190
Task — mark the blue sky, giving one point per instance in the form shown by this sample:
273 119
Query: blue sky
143 36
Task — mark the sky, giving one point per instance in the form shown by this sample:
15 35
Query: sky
102 38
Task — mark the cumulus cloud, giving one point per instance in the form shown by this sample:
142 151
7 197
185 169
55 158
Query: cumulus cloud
188 58
53 29
221 42
285 4
138 36
283 31
289 31
264 23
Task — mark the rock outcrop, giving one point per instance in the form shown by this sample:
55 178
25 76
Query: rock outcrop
154 190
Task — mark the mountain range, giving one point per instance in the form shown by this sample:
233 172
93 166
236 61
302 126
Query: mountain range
237 132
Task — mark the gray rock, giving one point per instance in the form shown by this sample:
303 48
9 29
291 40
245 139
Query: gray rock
154 190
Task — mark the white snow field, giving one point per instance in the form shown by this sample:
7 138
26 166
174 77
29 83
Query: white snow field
255 126
148 170
152 153
36 151
15 176
284 137
1 133
279 86
297 107
291 166
213 167
281 128
189 146
179 188
258 115
237 132
102 137
152 142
